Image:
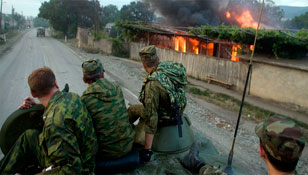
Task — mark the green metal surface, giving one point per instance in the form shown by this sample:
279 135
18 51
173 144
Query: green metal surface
18 122
167 140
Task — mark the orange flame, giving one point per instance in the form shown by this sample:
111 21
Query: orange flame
228 14
210 48
244 20
180 44
234 52
251 47
195 44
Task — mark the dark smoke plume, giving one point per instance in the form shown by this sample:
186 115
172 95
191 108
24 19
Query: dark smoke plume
210 12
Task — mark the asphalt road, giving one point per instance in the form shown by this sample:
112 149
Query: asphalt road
32 52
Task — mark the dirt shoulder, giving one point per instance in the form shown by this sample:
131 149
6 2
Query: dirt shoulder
14 38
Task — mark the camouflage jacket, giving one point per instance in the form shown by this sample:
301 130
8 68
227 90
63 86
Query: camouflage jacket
68 137
163 89
106 104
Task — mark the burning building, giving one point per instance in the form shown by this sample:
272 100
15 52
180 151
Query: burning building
181 41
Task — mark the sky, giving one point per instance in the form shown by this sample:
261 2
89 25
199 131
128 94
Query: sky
31 7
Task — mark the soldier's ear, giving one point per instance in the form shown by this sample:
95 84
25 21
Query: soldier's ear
56 84
84 80
33 95
261 152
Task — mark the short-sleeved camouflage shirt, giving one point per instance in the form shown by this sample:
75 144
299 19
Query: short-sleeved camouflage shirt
106 105
68 137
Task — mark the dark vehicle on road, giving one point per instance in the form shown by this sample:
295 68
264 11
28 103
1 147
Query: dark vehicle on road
40 32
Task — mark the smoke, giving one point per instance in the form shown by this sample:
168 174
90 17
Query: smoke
205 12
188 12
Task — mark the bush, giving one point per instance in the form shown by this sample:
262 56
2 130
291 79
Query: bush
118 49
100 35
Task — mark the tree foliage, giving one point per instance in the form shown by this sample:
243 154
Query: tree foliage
278 43
67 15
137 11
40 22
20 19
109 14
300 22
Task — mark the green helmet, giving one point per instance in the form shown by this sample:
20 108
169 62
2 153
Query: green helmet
281 137
92 67
148 53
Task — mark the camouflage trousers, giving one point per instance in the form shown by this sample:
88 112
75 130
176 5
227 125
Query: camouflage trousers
26 151
136 112
209 170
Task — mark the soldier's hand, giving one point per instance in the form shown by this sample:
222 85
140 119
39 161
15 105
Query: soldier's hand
27 103
145 155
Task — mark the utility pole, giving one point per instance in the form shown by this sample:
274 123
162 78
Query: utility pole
1 15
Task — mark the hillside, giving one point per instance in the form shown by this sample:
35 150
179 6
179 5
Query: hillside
291 12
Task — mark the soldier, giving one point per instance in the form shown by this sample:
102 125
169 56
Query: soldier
162 94
281 145
67 142
105 102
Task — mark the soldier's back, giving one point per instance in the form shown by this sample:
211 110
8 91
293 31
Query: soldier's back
105 102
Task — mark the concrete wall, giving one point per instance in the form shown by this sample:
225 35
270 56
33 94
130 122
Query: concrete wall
282 84
82 37
134 50
103 45
273 82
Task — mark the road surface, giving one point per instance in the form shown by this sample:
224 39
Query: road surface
209 122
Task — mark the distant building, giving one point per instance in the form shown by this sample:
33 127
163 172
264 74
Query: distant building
29 23
109 26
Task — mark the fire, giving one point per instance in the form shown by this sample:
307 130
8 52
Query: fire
228 14
195 44
210 48
234 52
244 20
180 43
251 47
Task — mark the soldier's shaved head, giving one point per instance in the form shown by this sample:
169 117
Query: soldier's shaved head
41 81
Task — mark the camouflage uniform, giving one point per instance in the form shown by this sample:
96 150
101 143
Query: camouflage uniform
68 139
282 138
209 170
105 102
163 91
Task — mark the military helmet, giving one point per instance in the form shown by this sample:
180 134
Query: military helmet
148 53
281 137
92 67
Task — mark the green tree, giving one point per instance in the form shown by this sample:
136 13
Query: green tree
67 15
300 22
40 22
20 19
109 14
137 11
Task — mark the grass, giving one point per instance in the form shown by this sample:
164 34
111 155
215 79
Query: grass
249 111
12 34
